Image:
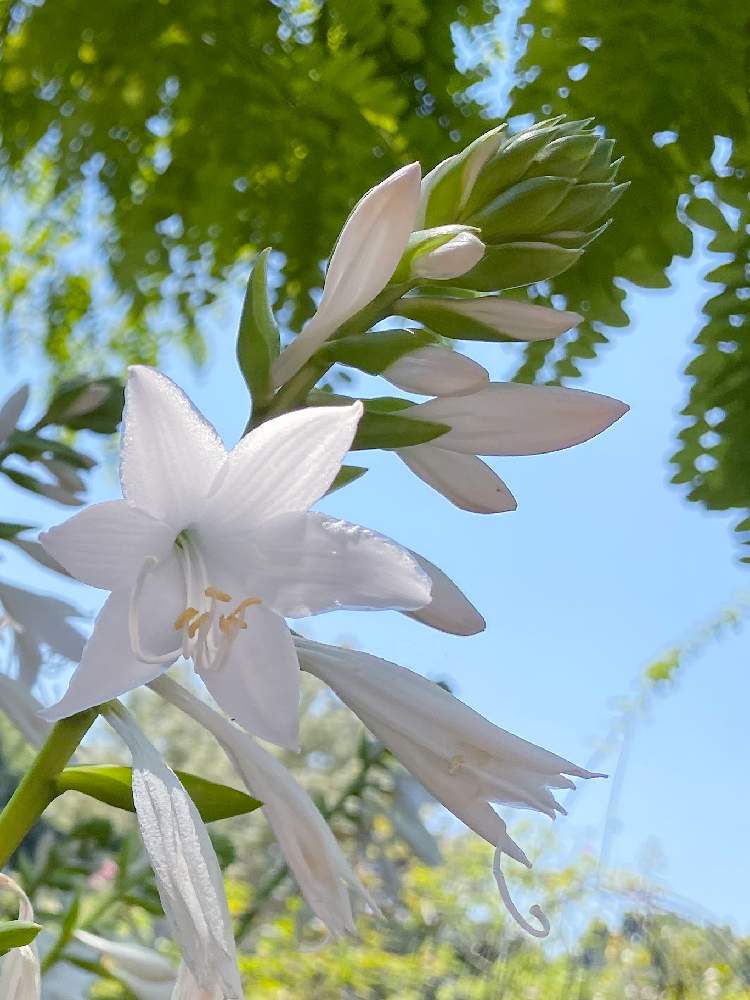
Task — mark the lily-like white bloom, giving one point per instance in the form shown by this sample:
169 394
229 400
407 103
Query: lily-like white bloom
34 621
209 551
450 260
322 872
20 978
182 856
436 371
22 708
364 259
501 418
460 757
487 317
147 974
10 412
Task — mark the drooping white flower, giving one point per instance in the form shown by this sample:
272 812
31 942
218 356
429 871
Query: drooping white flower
20 977
182 856
209 551
147 974
322 872
501 418
10 412
465 761
436 371
451 259
487 317
366 254
34 621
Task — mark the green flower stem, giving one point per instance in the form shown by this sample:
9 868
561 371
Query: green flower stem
37 787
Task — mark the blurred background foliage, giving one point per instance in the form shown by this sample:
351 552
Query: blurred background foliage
144 168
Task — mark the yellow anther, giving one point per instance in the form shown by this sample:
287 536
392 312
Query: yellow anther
249 602
230 623
205 617
455 763
217 595
187 615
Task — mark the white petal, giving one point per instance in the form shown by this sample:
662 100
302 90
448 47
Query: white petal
169 453
308 563
449 609
131 957
22 709
20 978
108 667
464 479
43 619
366 254
11 410
186 988
188 877
436 371
311 851
286 464
106 544
259 684
510 418
450 260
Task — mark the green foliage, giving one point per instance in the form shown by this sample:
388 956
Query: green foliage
16 933
111 784
664 80
258 339
213 130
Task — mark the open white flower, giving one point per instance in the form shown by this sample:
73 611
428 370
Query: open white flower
322 872
187 870
465 761
35 621
20 977
209 551
366 254
501 418
147 974
449 609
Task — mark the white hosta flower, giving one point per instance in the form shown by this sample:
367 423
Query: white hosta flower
465 761
147 974
501 418
366 254
182 856
487 317
20 977
10 412
436 371
209 551
34 621
450 260
23 709
322 872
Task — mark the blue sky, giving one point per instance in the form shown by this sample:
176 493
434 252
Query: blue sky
603 566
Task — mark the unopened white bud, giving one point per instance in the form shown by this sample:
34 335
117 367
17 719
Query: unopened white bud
450 260
436 371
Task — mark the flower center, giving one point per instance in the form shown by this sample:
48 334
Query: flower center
207 634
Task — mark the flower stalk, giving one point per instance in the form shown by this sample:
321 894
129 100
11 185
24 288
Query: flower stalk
37 787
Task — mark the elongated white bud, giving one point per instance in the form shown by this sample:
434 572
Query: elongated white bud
436 371
450 260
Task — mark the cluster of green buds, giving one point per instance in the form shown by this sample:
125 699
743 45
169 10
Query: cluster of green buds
535 199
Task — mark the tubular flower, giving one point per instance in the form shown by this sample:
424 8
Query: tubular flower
182 856
20 978
209 551
322 872
364 259
147 974
501 418
460 757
